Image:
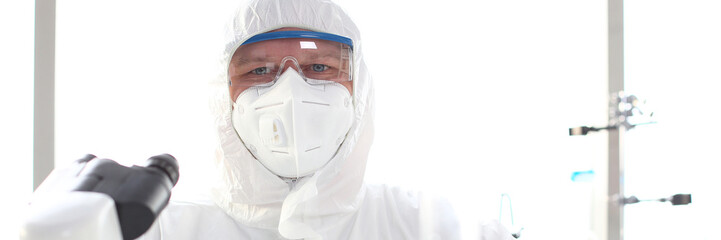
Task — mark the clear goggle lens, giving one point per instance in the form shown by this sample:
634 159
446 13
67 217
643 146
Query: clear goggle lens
259 63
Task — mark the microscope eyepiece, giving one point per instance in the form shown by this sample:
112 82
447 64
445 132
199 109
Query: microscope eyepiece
166 163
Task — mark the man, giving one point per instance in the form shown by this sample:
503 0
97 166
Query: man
294 113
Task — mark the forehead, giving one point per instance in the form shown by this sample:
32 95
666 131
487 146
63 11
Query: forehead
297 47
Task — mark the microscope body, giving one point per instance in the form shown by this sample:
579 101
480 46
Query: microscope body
73 215
100 199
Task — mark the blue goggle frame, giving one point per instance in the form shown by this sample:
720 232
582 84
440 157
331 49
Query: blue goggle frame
299 34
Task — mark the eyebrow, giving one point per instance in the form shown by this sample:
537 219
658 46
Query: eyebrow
263 59
244 60
323 55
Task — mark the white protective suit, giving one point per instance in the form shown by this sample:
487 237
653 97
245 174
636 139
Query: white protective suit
334 203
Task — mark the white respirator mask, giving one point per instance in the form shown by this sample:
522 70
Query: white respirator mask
293 126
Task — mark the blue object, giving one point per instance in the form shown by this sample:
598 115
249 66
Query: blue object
299 34
582 176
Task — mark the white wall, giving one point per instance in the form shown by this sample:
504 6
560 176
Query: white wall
132 81
16 104
672 60
475 99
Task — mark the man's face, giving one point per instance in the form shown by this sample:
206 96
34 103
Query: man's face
258 63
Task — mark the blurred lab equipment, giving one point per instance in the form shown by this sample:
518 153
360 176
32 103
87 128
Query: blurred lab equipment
677 199
626 110
515 230
100 199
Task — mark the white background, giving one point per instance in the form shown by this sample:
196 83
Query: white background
474 99
16 119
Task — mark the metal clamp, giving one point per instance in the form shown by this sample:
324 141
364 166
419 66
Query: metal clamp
623 109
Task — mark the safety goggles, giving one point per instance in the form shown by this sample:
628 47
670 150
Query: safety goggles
318 57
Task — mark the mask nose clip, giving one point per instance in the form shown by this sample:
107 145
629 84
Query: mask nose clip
294 62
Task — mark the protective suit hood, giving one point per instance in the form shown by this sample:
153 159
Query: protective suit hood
247 191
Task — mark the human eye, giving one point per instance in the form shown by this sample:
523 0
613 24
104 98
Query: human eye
319 67
252 74
322 69
260 71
